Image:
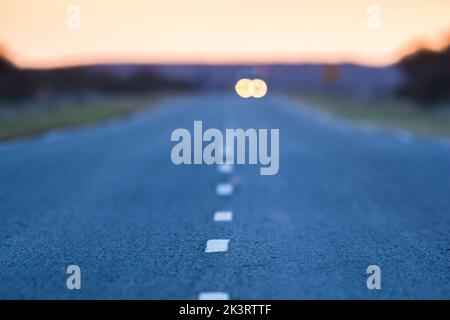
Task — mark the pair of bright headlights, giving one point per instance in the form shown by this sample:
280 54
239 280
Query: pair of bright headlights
247 88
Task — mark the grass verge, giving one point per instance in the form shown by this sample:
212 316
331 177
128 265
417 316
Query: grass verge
389 114
30 121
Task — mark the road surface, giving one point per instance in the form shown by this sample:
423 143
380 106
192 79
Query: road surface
108 199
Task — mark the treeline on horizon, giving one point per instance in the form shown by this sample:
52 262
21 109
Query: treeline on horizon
18 84
427 76
426 79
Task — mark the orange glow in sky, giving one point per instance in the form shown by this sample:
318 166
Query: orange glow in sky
35 33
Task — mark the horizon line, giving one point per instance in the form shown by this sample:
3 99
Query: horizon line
70 62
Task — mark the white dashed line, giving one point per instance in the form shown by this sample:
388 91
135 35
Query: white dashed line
221 245
222 216
224 189
225 168
217 245
213 296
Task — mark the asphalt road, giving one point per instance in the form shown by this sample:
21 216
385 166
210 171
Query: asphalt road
108 199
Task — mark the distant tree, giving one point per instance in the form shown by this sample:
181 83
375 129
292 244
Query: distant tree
13 85
25 84
427 76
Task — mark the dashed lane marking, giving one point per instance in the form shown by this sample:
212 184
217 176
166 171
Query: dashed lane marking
213 296
225 168
222 216
217 245
224 189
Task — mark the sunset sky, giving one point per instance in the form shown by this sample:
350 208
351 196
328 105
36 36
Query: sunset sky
34 32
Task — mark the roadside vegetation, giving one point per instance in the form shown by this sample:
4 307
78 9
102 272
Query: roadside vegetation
33 101
421 104
28 120
390 113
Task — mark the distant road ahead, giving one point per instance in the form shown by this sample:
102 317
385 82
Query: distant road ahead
109 199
